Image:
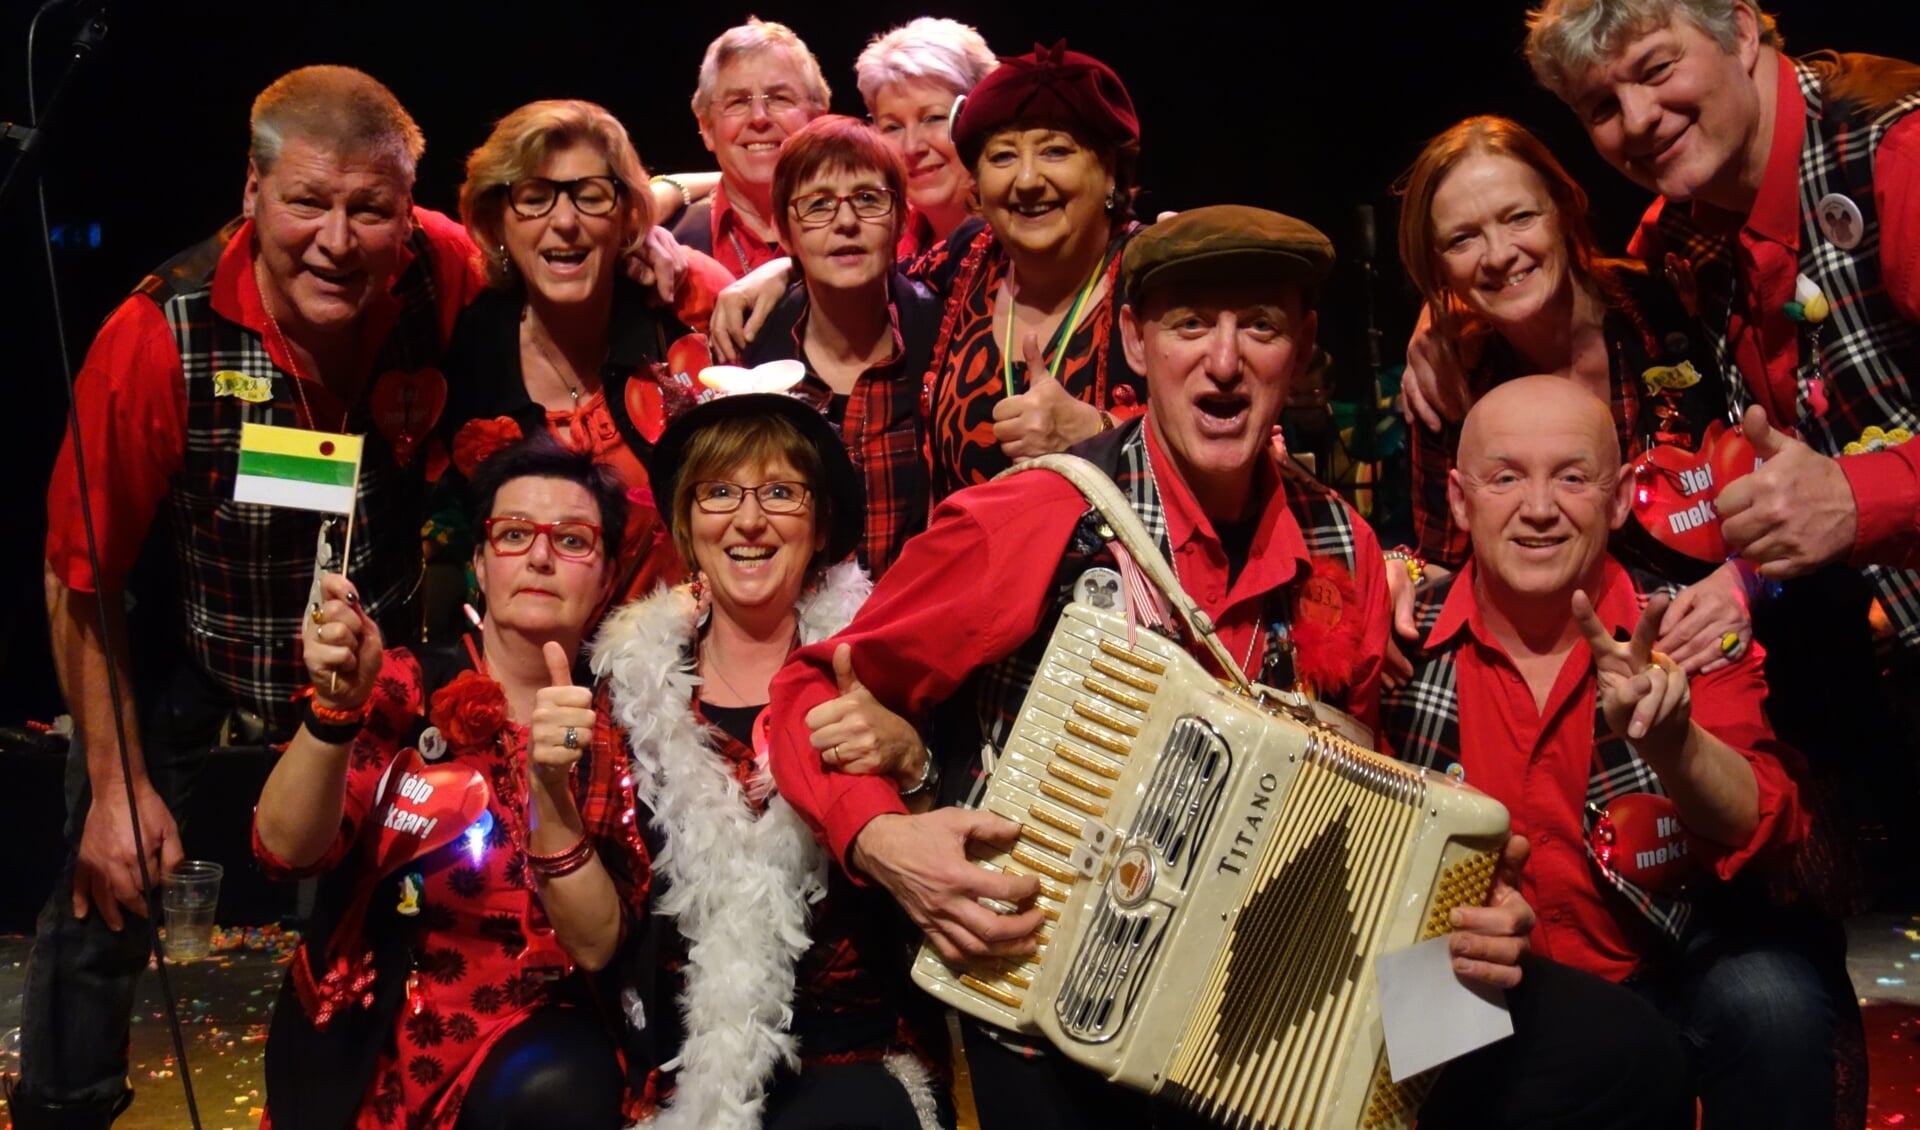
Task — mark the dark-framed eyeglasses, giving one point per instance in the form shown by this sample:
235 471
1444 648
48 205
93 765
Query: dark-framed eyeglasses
533 197
718 497
817 209
512 537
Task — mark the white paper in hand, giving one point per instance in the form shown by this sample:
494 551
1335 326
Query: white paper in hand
1430 1013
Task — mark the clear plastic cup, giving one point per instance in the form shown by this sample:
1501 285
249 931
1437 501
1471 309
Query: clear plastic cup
189 895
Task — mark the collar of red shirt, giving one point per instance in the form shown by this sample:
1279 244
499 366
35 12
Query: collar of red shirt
893 319
1775 215
1618 607
722 222
1279 553
236 297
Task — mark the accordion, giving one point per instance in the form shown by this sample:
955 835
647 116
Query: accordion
1216 878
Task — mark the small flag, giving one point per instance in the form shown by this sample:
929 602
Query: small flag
296 467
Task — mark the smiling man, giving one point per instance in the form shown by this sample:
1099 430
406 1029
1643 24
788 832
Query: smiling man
1789 213
758 84
328 301
1668 782
1221 319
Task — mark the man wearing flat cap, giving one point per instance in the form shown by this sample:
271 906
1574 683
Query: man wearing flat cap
1220 318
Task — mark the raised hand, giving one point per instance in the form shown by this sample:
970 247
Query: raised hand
1643 694
1434 387
1046 417
923 862
855 734
342 647
1795 512
562 722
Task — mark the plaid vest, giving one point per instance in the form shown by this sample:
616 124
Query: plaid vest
1422 721
1870 355
996 692
246 570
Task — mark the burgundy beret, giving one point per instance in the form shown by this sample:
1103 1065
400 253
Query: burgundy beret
1054 86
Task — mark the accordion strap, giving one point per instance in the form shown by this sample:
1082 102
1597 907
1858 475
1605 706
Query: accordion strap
1100 492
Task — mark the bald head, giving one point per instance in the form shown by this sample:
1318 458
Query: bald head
1530 406
1537 486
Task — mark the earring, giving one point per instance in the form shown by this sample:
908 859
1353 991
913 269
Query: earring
1115 201
502 259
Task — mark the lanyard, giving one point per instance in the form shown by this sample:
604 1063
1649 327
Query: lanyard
1057 347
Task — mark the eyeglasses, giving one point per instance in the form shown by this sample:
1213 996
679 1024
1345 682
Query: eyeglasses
740 105
513 537
715 497
818 209
533 197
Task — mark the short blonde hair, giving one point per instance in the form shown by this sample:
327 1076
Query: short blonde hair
1566 37
941 50
741 441
519 144
344 109
746 39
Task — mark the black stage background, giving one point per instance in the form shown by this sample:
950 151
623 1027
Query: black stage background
1309 108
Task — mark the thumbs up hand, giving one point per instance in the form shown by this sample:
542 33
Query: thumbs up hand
855 734
1795 512
562 722
1046 417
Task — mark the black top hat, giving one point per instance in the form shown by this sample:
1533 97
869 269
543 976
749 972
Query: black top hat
844 487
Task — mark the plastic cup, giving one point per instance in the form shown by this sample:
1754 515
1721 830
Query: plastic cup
188 894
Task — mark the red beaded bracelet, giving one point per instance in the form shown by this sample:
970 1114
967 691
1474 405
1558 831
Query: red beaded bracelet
561 863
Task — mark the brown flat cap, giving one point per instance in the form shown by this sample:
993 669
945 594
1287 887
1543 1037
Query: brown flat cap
1227 243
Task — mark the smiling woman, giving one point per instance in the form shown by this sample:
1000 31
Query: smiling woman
564 341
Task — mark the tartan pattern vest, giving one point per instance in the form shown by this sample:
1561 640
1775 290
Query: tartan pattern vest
1869 353
245 570
995 693
1422 718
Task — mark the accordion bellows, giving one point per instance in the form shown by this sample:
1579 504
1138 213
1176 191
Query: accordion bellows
1216 879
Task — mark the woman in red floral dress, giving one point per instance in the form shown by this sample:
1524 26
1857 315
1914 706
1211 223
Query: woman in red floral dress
469 815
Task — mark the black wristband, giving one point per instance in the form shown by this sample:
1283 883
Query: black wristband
332 733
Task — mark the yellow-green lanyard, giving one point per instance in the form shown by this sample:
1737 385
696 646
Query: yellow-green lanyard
1056 348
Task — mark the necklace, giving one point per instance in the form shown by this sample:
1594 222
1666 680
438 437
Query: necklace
713 665
286 347
540 347
1057 348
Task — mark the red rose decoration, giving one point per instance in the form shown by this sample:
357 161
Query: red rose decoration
478 439
471 711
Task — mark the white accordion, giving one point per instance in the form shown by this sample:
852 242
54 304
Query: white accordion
1216 879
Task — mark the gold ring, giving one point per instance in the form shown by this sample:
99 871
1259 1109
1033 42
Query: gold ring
319 615
1730 643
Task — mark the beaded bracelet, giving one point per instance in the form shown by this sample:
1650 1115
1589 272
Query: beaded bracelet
686 198
561 863
335 727
1416 565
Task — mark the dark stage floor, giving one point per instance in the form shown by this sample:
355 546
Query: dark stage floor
226 1001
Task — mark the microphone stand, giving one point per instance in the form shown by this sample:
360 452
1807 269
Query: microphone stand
31 142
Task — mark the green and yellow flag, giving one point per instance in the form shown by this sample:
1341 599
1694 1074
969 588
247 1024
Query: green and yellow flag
297 467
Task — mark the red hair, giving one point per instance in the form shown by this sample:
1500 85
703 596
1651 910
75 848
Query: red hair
834 141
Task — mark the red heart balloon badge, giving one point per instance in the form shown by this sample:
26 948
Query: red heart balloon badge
1640 838
423 808
644 406
406 406
1674 490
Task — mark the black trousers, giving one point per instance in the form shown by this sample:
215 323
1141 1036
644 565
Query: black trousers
1585 1055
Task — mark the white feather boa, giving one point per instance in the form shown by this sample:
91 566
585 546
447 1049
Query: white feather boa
738 888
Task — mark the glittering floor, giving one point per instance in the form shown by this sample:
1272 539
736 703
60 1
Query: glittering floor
226 1001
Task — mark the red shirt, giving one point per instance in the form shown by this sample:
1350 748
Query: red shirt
735 246
1766 343
972 588
133 399
1537 762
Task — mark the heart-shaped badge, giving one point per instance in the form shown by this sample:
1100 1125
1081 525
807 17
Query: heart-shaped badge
1675 490
423 808
1640 838
406 406
644 406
